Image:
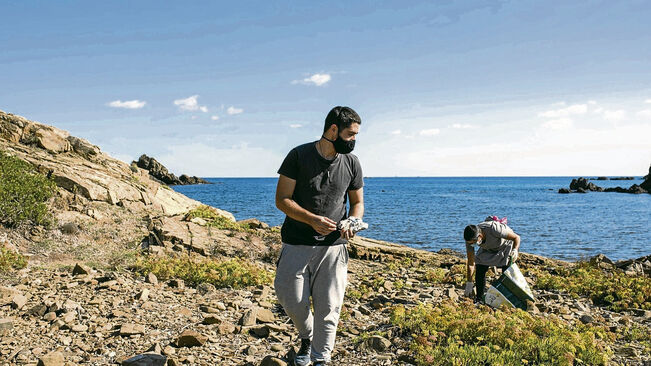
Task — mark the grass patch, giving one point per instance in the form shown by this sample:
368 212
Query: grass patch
613 289
11 260
214 219
234 273
463 334
23 193
636 333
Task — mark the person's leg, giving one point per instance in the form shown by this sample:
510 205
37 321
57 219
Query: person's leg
292 285
329 282
480 281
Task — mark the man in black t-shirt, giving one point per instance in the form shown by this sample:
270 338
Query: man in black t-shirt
316 180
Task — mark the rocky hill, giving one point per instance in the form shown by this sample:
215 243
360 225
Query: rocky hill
134 273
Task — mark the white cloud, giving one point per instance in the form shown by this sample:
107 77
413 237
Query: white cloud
214 118
647 101
430 132
190 104
396 132
316 79
645 113
127 104
232 110
575 109
463 126
296 125
558 124
615 115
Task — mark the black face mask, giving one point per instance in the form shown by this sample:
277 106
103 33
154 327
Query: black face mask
342 146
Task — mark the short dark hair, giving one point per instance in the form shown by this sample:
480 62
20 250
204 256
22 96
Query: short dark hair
470 232
343 117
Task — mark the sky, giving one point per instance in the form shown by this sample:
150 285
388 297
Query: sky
444 88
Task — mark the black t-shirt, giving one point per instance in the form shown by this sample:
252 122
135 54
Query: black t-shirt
321 188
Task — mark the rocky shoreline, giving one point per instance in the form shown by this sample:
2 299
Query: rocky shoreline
81 299
582 185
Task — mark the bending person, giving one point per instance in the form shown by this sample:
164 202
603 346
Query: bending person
498 246
316 179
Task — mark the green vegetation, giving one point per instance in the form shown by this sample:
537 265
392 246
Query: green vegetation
636 333
23 193
11 260
463 334
613 289
235 273
214 219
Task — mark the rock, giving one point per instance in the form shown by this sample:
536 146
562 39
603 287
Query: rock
377 343
564 190
50 316
582 185
83 147
52 359
210 320
272 361
6 324
70 228
80 269
176 283
18 301
143 295
451 293
265 316
226 328
129 329
253 224
192 180
600 258
205 288
586 319
199 221
190 338
249 317
151 278
38 310
146 359
79 328
260 331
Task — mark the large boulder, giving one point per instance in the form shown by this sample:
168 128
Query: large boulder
584 184
157 170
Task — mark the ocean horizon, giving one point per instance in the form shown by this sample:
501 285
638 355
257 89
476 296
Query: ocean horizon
430 212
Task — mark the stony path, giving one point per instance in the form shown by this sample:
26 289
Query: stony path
104 318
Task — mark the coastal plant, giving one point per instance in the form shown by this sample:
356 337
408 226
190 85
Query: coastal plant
235 273
214 219
465 334
435 275
636 333
11 260
613 289
23 193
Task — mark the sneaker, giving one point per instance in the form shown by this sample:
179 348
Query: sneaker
303 356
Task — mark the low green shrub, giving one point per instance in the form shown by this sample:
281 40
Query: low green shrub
23 193
214 219
11 260
613 289
464 334
235 273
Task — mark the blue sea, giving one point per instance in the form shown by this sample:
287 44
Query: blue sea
430 213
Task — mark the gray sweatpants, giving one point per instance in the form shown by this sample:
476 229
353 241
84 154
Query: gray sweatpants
320 272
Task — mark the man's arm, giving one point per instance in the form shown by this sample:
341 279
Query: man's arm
516 239
470 263
356 199
285 203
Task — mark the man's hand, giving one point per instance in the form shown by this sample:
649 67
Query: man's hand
323 225
514 255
